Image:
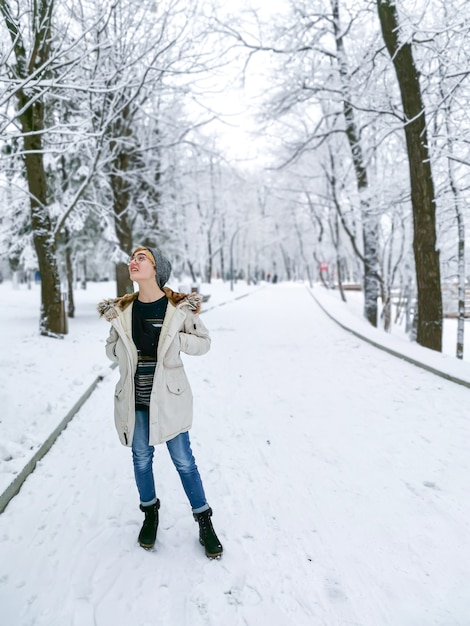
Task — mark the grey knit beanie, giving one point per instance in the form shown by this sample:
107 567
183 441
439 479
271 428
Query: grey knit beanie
163 266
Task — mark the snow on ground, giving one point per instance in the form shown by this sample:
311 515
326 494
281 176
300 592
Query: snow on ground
43 378
338 475
350 315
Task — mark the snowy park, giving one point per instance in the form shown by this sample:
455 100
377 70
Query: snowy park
337 472
292 175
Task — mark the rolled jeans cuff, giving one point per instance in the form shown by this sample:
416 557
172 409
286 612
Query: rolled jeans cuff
201 509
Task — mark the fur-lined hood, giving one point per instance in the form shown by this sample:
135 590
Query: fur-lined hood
110 309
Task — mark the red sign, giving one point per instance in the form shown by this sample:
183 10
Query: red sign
323 267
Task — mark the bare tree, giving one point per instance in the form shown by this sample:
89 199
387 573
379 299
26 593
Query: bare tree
30 67
60 153
368 212
448 92
429 331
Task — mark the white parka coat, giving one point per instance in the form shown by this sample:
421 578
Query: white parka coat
171 400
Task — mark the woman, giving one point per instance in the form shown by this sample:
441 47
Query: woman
153 399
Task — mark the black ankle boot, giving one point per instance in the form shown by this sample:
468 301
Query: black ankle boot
207 536
148 532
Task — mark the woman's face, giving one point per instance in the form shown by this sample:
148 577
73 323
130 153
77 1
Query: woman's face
141 267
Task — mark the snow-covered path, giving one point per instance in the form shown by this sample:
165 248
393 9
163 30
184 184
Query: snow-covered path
338 474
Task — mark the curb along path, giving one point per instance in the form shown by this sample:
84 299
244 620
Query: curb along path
14 487
434 369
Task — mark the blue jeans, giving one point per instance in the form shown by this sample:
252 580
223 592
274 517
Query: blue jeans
180 452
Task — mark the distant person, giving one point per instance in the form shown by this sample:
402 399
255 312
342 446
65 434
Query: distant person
153 399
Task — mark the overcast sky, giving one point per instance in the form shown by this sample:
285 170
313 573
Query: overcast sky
241 101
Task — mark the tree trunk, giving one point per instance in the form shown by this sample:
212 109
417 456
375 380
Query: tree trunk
460 218
368 215
429 326
70 276
287 262
461 287
192 272
51 321
120 138
122 222
30 104
387 282
302 253
222 239
209 266
338 258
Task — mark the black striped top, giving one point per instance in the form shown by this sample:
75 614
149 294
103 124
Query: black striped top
147 321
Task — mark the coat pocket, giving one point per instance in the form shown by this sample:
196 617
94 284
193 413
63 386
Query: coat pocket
176 380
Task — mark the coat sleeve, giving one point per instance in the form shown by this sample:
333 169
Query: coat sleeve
194 337
111 344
